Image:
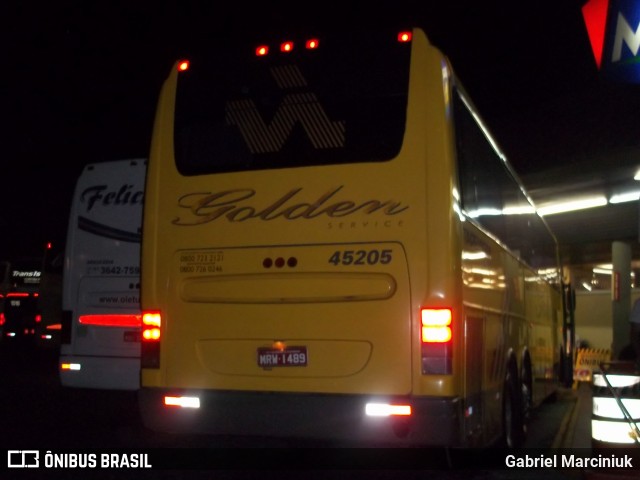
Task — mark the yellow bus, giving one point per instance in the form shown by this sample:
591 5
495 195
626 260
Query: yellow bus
334 247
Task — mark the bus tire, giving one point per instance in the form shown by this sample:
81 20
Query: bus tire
512 413
527 391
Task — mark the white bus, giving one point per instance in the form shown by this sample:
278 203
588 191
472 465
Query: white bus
100 338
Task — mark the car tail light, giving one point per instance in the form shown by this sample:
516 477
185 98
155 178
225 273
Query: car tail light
437 339
2 318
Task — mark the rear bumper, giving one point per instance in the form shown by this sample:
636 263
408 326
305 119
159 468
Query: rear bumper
342 418
109 373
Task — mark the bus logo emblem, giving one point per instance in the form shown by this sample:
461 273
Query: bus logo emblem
302 107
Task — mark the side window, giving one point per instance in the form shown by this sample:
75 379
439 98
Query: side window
493 197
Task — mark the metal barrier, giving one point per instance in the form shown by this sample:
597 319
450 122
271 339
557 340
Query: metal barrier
615 420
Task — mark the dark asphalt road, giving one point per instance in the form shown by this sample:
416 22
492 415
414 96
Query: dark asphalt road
37 413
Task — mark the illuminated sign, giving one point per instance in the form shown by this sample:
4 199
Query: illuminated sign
613 27
25 273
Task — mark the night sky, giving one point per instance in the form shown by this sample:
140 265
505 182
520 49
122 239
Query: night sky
80 82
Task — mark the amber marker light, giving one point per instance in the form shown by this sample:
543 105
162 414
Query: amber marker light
404 37
286 47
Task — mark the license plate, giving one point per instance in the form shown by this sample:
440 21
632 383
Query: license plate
289 357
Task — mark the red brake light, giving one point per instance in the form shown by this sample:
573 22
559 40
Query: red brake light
436 325
38 318
132 320
183 65
262 50
437 341
2 318
151 322
150 345
312 44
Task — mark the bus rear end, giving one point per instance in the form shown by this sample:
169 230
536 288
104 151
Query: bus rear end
284 243
100 337
19 317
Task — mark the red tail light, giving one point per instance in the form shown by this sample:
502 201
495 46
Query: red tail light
38 318
436 325
151 332
2 318
436 335
183 65
127 320
151 322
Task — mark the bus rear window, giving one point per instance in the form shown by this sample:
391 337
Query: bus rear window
343 101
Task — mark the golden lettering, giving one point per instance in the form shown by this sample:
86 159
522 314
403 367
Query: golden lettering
204 207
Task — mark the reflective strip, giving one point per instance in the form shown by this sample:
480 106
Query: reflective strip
616 381
609 408
612 431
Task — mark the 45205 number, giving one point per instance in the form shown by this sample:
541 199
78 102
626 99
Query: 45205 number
361 257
